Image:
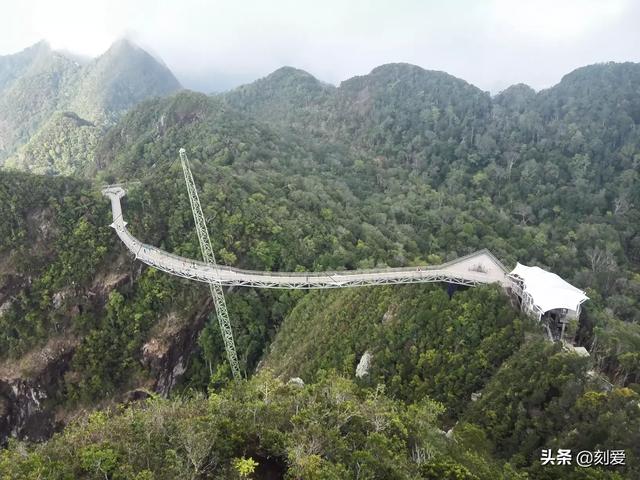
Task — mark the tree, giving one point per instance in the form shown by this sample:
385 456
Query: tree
245 466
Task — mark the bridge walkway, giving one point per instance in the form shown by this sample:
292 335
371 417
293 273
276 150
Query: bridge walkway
477 268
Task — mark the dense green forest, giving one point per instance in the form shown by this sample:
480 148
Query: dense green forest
399 167
422 343
53 105
331 430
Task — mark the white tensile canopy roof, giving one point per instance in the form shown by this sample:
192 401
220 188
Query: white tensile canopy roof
547 290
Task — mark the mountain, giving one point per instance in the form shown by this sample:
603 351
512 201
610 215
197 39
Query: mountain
400 167
64 145
518 98
613 86
39 79
39 83
475 355
13 66
383 322
288 96
395 104
120 78
405 104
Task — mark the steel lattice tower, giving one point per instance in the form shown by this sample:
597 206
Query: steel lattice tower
210 259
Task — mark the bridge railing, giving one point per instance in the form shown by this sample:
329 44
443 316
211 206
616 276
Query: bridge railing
200 263
158 257
197 269
417 271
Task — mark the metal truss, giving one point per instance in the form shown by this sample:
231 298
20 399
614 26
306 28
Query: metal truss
210 260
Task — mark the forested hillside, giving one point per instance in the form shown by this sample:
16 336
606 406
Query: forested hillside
560 166
399 167
38 84
419 341
493 370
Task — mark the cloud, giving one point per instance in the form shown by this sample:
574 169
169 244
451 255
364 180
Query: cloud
214 45
553 20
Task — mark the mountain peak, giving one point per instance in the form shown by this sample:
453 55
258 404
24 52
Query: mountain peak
119 78
398 67
121 46
602 72
404 70
387 75
518 90
293 76
288 71
40 45
281 79
516 97
32 51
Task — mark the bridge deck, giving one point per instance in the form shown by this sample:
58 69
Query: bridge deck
477 268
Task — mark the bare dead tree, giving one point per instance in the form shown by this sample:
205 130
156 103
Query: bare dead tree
601 260
524 211
621 205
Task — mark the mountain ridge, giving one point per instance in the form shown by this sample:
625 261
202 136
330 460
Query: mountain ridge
38 82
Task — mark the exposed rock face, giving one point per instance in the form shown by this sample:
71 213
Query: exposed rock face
24 388
364 365
167 352
59 297
29 385
25 417
106 283
5 307
296 382
26 385
390 315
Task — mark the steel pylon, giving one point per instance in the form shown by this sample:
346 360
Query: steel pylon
209 258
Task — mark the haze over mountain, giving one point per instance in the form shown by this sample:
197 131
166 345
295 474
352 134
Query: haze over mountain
42 89
216 46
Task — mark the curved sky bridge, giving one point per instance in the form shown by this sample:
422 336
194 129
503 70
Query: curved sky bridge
477 268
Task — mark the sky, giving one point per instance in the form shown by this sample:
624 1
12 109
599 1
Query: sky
214 45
